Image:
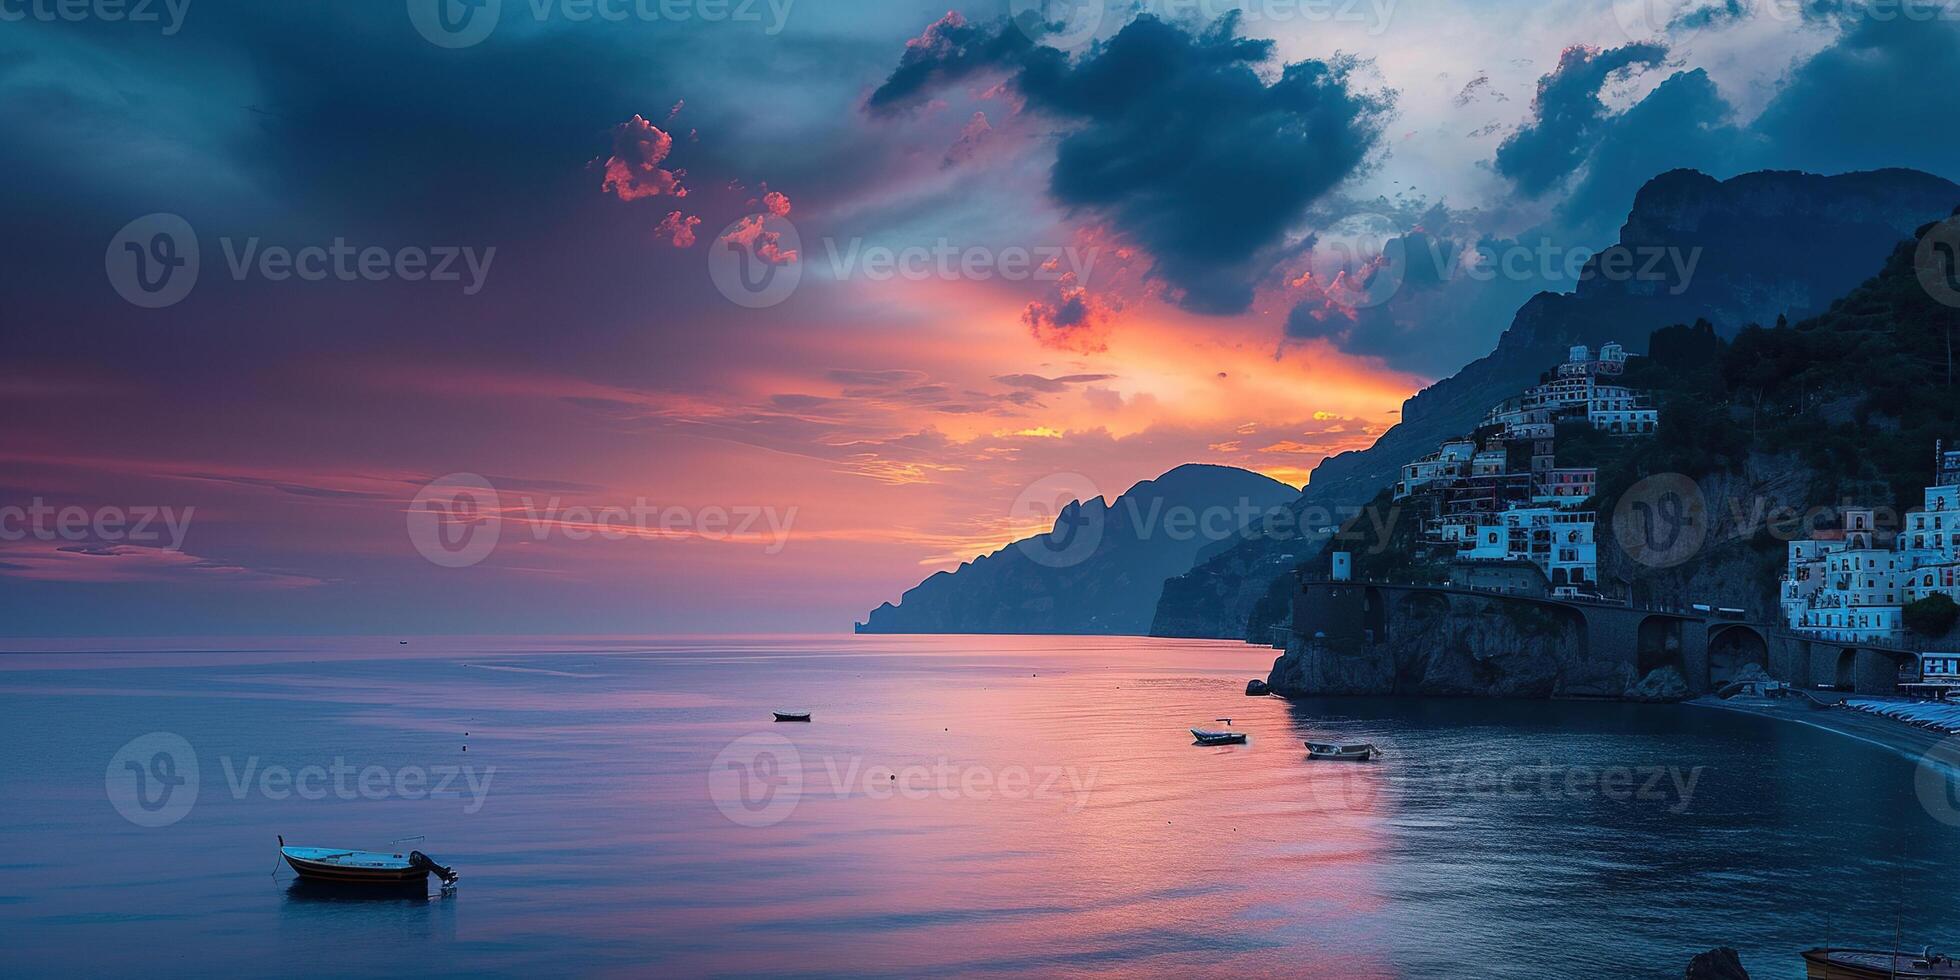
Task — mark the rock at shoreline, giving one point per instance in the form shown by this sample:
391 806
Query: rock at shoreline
1749 673
1660 684
1720 963
1256 688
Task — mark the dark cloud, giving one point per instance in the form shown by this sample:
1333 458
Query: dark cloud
1567 116
1882 96
1036 382
1684 122
1174 138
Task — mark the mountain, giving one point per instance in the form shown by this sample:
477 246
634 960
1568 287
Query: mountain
1766 245
1101 567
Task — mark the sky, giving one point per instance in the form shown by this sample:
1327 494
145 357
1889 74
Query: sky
684 316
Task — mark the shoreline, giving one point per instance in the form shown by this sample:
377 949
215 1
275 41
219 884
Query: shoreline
1913 744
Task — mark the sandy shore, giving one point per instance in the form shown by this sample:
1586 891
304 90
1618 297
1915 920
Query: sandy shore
1893 736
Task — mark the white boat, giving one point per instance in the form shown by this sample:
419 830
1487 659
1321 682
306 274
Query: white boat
362 867
1218 736
1343 751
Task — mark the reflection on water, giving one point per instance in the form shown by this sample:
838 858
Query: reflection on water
957 805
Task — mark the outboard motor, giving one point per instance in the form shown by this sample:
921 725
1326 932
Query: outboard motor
417 859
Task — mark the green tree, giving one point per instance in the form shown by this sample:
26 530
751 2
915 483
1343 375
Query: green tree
1932 616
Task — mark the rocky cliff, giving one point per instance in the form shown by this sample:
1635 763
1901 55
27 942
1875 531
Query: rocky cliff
1102 568
1759 241
1458 646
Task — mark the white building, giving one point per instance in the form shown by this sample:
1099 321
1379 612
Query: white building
1853 583
1446 465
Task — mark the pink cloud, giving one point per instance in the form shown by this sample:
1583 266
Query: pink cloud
777 203
677 229
1074 320
633 171
767 245
975 132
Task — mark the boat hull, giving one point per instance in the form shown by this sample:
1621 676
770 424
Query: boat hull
1867 964
1204 737
353 867
1341 753
791 716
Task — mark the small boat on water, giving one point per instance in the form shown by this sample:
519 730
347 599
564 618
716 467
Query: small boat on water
1826 963
1218 736
792 715
1343 751
363 867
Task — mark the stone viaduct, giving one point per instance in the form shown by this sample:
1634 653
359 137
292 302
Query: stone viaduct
1707 648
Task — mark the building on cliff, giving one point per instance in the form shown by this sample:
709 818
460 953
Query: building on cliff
1854 581
1501 497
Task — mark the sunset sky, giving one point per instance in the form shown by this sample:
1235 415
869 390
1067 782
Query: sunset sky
1136 240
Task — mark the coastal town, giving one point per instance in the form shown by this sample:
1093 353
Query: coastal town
1501 513
1854 582
1497 503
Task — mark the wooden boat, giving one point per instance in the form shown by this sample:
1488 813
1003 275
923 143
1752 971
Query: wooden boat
362 867
1826 963
1343 751
792 715
1214 736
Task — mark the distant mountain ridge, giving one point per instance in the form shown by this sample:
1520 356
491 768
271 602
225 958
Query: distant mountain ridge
1772 243
1065 583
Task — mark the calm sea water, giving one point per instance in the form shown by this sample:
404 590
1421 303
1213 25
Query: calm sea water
1049 814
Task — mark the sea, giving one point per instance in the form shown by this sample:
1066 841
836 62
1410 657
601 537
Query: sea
955 806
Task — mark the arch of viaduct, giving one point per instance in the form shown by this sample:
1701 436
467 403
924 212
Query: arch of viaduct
1708 649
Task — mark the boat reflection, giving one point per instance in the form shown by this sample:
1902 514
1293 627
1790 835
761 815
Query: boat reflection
308 890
